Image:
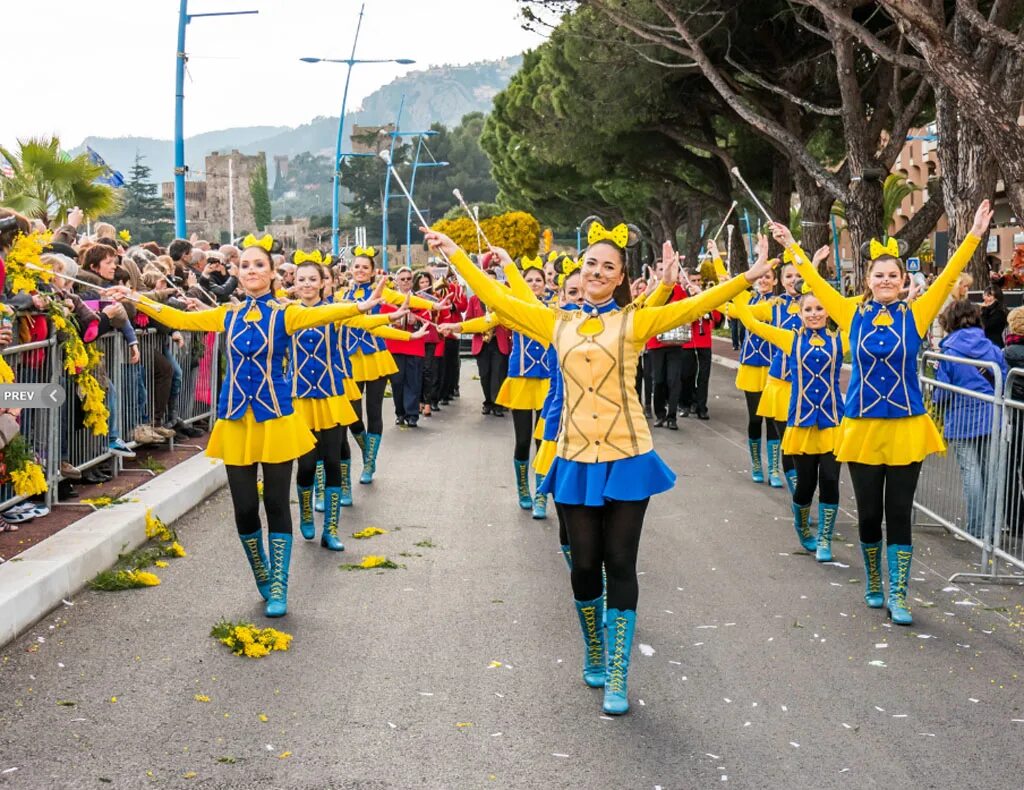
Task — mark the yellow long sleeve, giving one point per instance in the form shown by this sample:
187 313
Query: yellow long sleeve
840 308
390 333
651 321
761 311
720 270
415 302
368 322
480 324
781 338
201 321
927 306
516 281
536 320
297 317
658 297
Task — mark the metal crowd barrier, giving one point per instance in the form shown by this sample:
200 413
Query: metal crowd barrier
58 434
965 489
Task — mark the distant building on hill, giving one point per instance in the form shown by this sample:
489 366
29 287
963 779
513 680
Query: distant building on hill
209 204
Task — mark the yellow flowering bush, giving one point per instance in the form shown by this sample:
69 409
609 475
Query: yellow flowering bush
516 231
26 250
18 465
245 639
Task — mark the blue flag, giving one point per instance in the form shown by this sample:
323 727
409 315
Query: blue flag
110 176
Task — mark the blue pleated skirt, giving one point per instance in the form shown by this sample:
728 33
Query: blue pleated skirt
626 480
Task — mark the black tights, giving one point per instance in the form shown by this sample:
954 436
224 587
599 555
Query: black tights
754 421
816 471
780 429
608 537
277 483
523 424
885 491
373 394
328 450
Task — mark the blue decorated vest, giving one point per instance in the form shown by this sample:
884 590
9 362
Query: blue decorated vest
551 411
815 362
785 315
359 340
319 366
528 358
257 345
885 342
756 351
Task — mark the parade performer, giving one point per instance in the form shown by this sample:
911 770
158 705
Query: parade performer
372 363
257 425
606 469
752 376
886 432
319 372
814 356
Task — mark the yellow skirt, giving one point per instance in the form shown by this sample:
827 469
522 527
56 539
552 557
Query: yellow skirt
545 457
538 432
751 379
352 390
370 367
245 441
319 414
810 441
891 442
519 392
775 400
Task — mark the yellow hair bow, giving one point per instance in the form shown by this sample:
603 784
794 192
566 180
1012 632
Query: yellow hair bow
251 241
309 257
328 259
531 263
553 256
877 249
619 235
788 256
365 252
805 288
570 268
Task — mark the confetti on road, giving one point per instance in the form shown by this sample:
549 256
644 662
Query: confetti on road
794 744
877 663
881 645
426 693
972 699
556 754
392 726
646 650
494 665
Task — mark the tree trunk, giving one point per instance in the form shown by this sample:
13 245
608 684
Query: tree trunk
694 240
782 196
863 221
815 213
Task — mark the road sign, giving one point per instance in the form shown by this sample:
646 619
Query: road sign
913 264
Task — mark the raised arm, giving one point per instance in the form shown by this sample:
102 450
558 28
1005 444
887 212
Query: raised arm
368 322
840 308
397 299
520 288
200 321
927 306
536 320
297 317
651 321
479 325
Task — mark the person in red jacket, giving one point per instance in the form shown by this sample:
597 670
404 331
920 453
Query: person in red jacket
696 374
433 345
491 350
447 284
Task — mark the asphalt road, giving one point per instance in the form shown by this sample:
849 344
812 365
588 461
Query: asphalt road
755 667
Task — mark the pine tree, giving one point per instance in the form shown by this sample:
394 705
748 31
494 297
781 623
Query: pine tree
260 196
145 216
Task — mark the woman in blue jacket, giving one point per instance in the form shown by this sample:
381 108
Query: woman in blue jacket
967 420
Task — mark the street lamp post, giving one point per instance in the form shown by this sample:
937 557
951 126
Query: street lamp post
180 225
416 165
350 61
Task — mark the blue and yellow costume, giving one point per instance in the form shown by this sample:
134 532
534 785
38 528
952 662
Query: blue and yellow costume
887 431
814 358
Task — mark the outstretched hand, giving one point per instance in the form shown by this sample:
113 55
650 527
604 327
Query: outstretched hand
439 242
821 255
982 218
375 298
783 235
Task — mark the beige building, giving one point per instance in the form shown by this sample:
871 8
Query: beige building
195 204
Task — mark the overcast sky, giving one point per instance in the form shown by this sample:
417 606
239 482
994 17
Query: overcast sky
106 67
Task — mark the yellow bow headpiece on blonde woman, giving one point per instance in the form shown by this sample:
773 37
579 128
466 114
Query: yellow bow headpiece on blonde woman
365 252
877 249
619 235
251 241
788 257
571 267
531 263
309 257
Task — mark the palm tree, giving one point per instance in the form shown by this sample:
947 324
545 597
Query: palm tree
47 183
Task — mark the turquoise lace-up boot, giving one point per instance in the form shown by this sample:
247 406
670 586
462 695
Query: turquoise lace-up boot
370 454
332 518
621 624
591 614
540 501
523 484
280 558
319 482
873 595
756 469
898 559
774 462
253 545
346 484
826 525
790 475
307 526
801 514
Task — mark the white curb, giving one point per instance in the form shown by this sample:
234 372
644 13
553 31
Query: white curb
36 581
